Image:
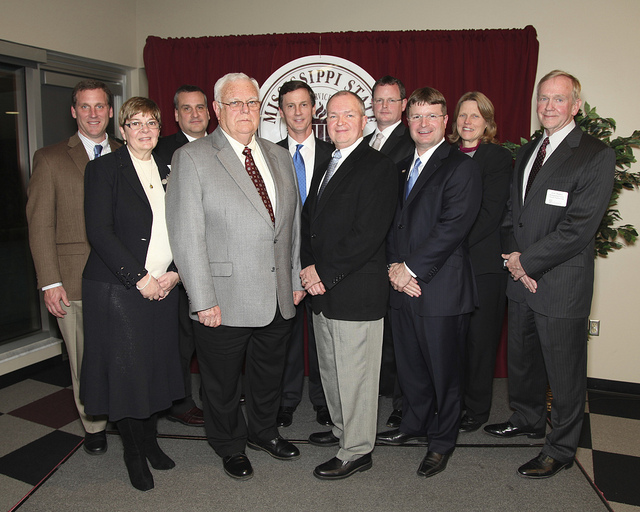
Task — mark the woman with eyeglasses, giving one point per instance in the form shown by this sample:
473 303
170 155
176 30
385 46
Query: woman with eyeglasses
131 366
474 132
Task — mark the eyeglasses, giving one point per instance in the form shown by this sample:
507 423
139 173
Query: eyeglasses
429 117
390 101
137 125
237 105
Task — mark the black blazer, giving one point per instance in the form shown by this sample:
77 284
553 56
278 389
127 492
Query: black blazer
398 146
322 156
118 218
167 146
484 238
429 233
343 234
555 227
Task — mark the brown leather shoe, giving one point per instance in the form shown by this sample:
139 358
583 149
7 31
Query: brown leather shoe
543 466
192 418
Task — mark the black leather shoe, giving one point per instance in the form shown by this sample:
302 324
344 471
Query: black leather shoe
336 469
95 444
285 416
542 466
194 417
278 448
324 439
469 424
237 466
508 429
432 464
395 418
397 438
322 415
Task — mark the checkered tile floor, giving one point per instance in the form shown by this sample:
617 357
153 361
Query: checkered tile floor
39 429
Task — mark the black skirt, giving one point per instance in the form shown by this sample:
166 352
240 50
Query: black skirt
131 364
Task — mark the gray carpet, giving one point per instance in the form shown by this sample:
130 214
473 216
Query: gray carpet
481 476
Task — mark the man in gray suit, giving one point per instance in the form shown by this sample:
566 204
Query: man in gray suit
561 188
233 214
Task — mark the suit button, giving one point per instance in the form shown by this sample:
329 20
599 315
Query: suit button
273 269
313 235
520 225
275 240
400 226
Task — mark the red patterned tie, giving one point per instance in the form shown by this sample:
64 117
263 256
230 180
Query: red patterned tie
256 177
537 164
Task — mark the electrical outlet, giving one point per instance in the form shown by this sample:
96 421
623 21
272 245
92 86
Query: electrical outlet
594 327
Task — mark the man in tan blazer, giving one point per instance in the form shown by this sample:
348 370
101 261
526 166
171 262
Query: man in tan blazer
55 213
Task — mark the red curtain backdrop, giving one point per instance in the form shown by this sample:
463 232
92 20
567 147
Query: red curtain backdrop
500 63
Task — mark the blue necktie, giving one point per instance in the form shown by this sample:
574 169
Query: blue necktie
97 151
413 176
331 170
298 163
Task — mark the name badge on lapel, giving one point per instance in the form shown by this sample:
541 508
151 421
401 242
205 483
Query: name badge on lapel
557 198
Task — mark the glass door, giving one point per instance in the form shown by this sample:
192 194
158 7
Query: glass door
19 298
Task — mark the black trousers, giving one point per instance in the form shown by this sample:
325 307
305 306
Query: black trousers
545 349
221 353
485 328
293 377
187 347
430 357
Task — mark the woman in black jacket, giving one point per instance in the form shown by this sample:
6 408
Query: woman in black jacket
131 366
474 131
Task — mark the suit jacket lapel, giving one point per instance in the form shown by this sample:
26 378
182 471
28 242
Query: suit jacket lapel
272 163
77 153
128 171
393 139
342 172
230 161
556 159
427 171
519 170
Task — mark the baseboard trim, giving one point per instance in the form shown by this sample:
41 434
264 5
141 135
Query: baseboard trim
613 386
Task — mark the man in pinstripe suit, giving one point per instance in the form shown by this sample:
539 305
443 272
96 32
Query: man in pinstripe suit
561 188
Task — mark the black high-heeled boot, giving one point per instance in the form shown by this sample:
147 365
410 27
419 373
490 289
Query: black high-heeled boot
153 452
132 434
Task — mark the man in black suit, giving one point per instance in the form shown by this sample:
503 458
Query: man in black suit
561 188
391 137
297 103
192 115
434 291
344 223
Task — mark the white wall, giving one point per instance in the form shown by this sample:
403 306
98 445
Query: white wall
592 39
